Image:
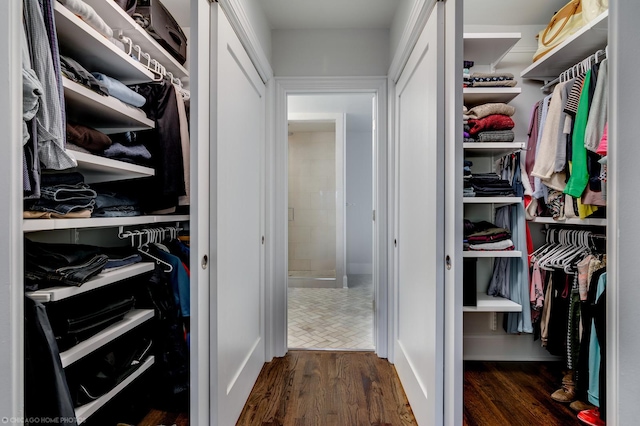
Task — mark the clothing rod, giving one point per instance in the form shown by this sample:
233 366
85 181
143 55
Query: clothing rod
577 69
151 64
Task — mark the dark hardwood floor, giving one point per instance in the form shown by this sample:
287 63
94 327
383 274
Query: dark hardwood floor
514 393
327 388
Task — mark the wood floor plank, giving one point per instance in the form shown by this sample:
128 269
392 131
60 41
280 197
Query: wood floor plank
329 389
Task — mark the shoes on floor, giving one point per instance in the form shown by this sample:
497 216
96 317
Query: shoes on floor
566 394
591 417
578 406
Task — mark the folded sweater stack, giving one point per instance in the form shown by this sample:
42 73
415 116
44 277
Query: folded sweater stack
490 122
485 236
492 79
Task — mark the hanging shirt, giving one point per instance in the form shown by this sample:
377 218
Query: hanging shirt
579 173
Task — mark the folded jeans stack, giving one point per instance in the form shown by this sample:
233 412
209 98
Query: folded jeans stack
62 195
490 185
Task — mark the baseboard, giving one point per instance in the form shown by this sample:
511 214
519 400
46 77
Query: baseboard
504 348
360 268
312 283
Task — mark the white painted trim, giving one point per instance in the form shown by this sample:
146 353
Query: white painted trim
340 148
453 218
11 261
244 30
278 204
417 20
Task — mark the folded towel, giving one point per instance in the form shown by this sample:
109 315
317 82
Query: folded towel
496 136
491 122
89 15
484 110
119 91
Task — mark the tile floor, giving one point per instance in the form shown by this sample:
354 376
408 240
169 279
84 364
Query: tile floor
332 318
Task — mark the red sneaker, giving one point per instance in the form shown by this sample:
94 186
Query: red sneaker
591 417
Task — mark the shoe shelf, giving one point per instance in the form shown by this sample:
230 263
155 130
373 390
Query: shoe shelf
486 303
54 294
96 53
495 149
481 95
85 411
104 113
491 253
34 225
576 221
122 23
97 169
488 48
586 41
131 320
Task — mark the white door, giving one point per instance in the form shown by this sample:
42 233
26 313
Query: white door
419 326
237 223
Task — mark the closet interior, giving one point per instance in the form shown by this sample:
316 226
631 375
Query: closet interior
534 202
106 215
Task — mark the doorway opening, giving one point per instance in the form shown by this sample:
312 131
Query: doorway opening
330 288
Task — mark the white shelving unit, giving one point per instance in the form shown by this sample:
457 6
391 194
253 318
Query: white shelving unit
582 222
481 95
81 42
109 334
54 294
97 169
493 149
33 225
491 200
584 42
488 303
119 21
491 254
84 412
488 48
104 113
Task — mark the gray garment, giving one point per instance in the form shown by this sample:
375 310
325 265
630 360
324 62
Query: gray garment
561 152
598 110
540 190
519 322
32 89
499 285
49 119
88 15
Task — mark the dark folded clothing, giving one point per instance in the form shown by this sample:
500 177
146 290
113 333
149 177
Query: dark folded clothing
488 236
117 211
491 122
87 138
126 138
496 136
53 179
76 72
134 153
63 192
106 199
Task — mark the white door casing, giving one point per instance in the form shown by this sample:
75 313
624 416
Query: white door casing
237 224
419 255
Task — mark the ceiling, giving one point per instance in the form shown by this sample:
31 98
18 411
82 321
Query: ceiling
329 14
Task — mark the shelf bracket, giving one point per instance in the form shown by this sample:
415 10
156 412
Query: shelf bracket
493 321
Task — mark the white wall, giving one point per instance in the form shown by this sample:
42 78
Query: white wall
254 13
321 53
399 23
359 202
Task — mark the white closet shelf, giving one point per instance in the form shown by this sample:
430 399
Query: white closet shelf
93 51
584 42
584 222
488 303
481 95
54 294
488 48
131 320
491 254
104 113
33 225
495 149
120 21
100 169
491 200
85 411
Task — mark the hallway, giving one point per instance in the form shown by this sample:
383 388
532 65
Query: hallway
329 389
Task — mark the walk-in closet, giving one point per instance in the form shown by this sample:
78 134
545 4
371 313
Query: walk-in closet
143 262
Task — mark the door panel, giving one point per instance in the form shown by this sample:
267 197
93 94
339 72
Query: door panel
420 207
239 206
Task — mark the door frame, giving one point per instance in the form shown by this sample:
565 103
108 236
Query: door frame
341 223
277 222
